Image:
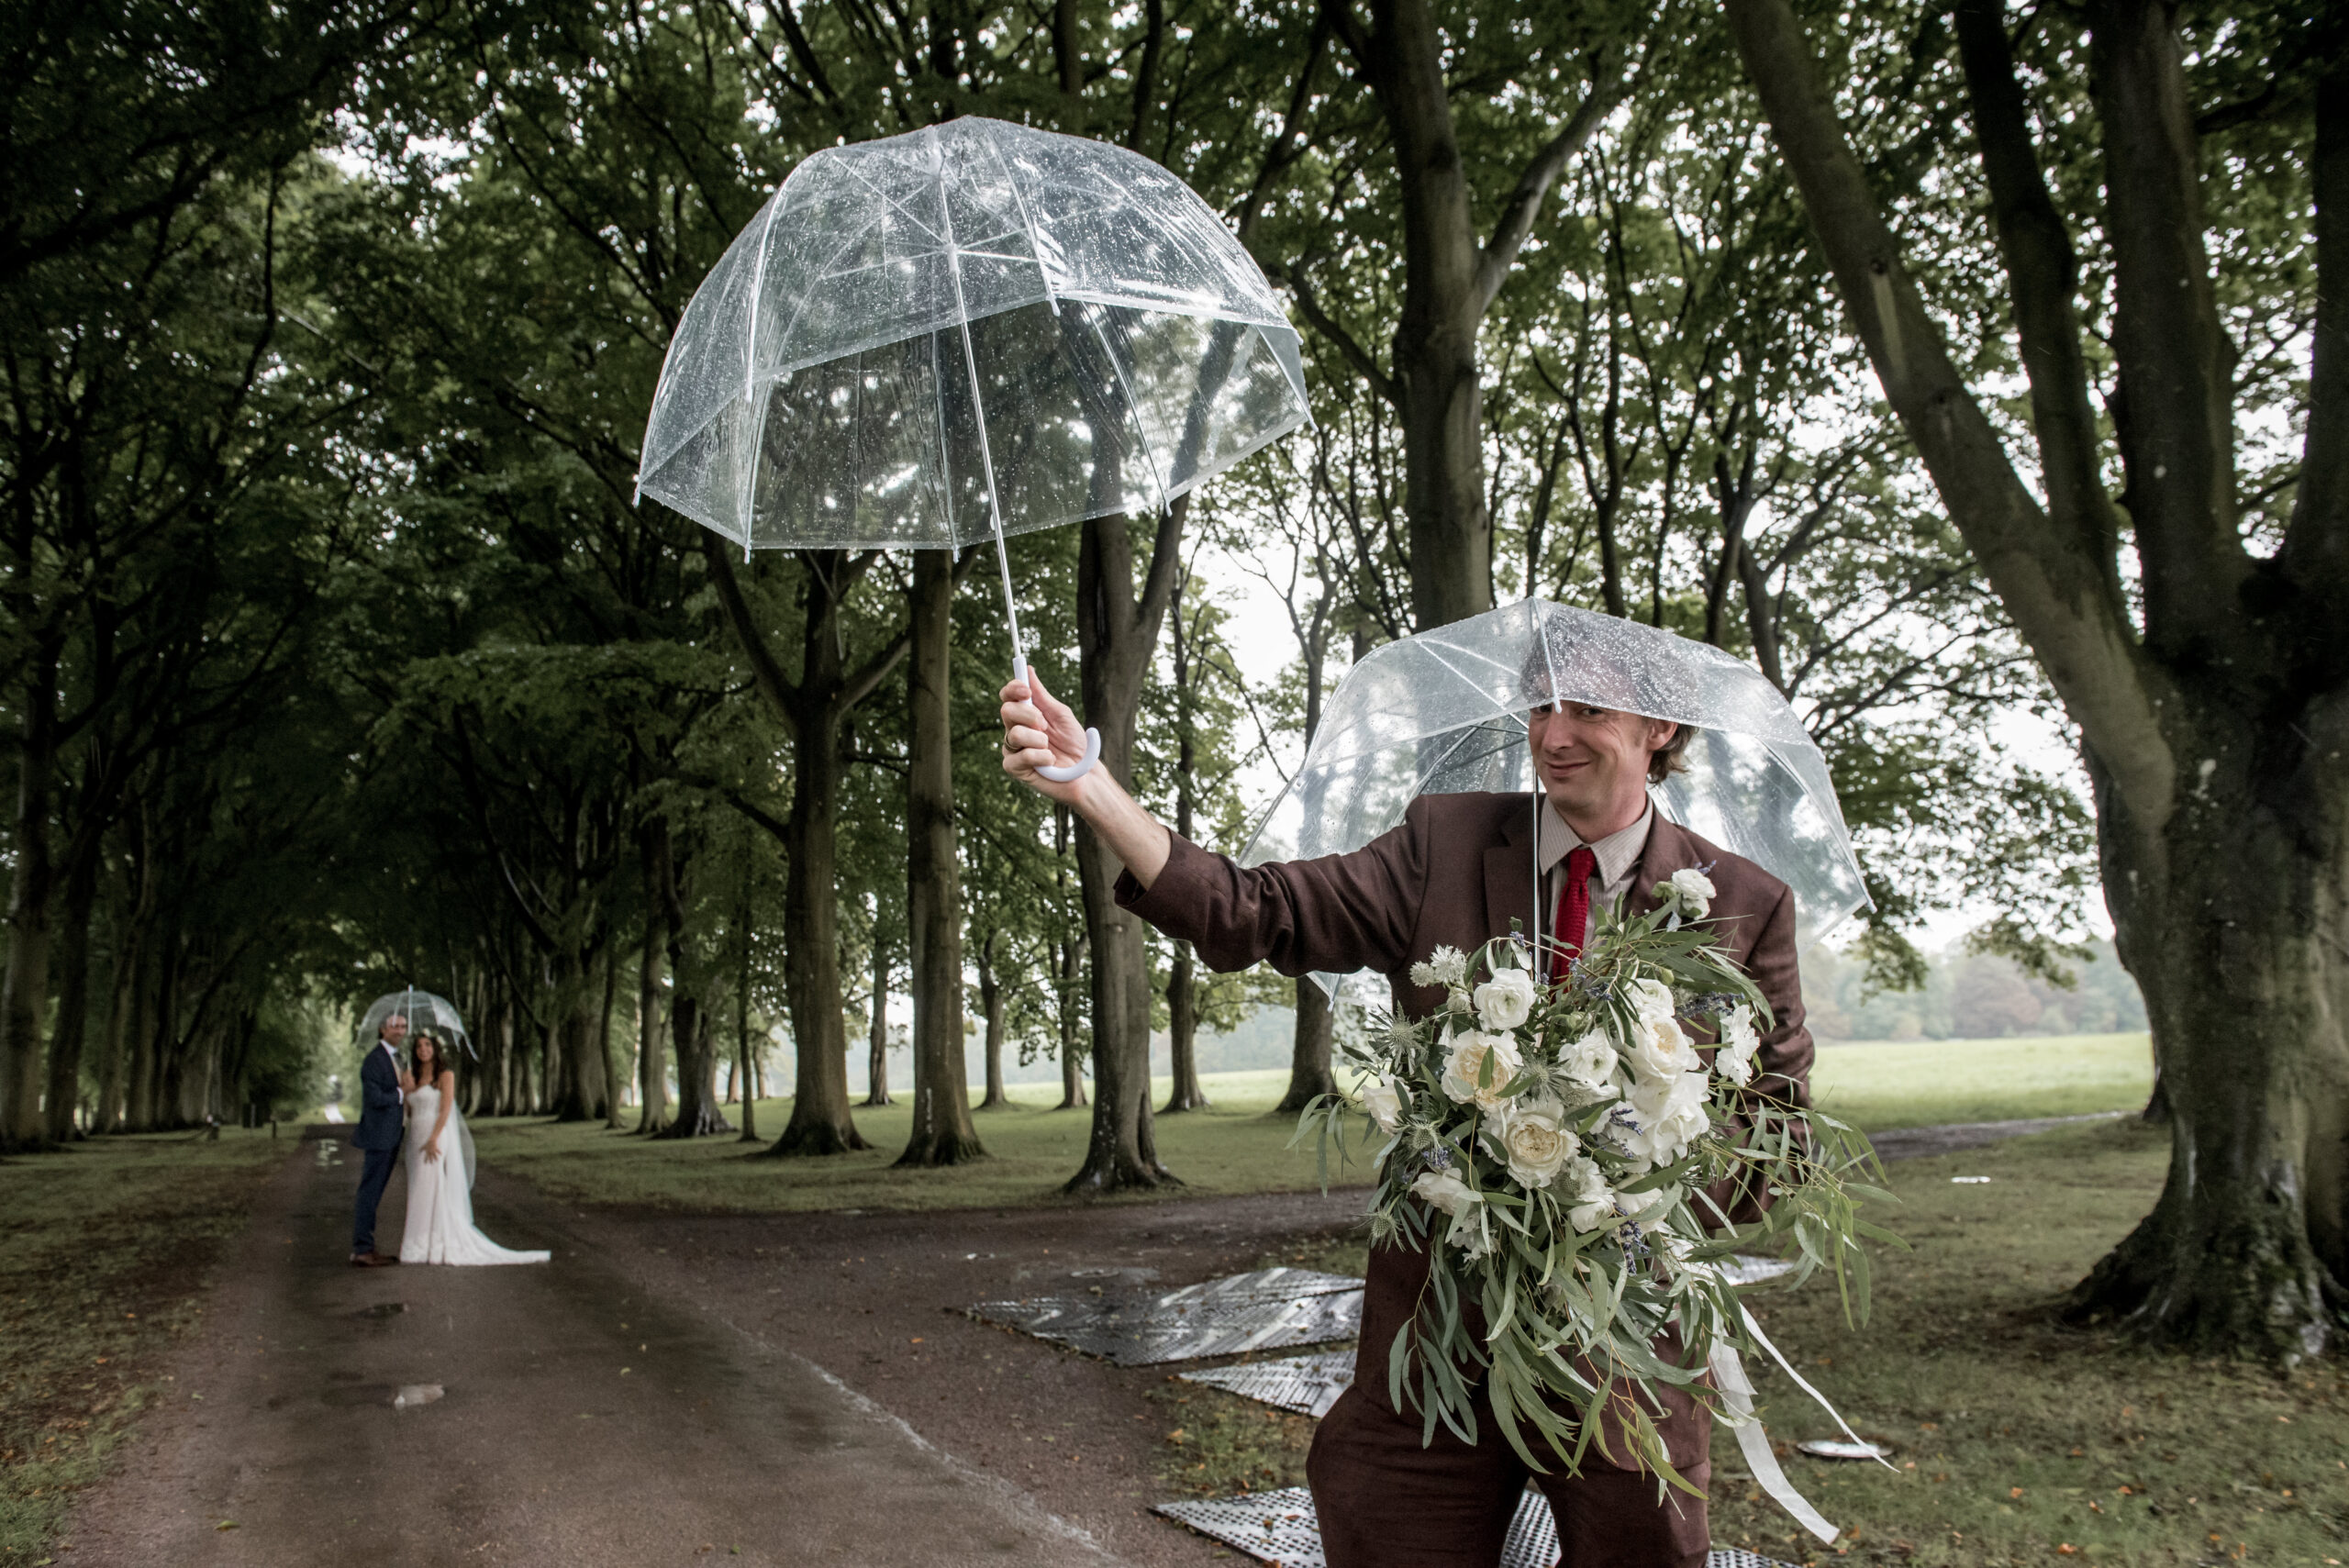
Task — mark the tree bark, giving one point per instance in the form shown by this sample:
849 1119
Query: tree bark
1117 631
2211 741
992 999
1183 1092
876 1040
816 706
1310 1073
698 1112
1070 963
23 989
942 1133
71 1026
1449 281
744 1072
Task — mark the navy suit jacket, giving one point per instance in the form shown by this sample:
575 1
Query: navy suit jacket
379 1102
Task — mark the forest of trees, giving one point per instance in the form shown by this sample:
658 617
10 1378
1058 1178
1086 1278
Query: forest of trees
338 655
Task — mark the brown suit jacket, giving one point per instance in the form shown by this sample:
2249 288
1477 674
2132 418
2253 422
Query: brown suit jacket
1453 875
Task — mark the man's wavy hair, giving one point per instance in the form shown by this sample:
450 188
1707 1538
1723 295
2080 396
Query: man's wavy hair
1602 676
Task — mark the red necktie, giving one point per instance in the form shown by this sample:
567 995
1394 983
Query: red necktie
1574 909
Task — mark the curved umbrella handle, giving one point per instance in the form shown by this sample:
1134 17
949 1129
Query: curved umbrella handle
1084 764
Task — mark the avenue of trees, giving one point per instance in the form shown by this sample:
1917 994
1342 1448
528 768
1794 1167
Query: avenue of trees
1949 361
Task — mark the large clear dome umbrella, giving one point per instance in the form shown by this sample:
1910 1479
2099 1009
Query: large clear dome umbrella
425 1013
965 332
1444 712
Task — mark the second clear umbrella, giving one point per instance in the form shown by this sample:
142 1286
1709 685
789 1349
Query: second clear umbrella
961 333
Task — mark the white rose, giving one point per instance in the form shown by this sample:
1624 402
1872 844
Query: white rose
1694 892
1532 1138
1667 1116
1592 1204
1651 999
1740 1040
1505 1000
1591 1062
1658 1051
1467 1077
1444 1190
1384 1101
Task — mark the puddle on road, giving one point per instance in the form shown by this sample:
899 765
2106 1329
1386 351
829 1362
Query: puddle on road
329 1154
411 1394
381 1310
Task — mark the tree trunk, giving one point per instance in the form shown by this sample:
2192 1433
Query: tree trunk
877 1038
698 1113
584 1093
1071 950
1117 631
1450 279
609 1080
1184 1093
1309 1075
819 1122
71 1023
23 989
993 998
2233 920
942 1133
743 1073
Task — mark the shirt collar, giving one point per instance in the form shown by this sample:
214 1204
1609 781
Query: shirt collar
1619 852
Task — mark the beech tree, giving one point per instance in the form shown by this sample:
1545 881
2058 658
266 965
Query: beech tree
2189 620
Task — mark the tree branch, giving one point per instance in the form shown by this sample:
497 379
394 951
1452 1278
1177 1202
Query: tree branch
1355 354
2043 274
1607 87
765 668
2048 586
2316 541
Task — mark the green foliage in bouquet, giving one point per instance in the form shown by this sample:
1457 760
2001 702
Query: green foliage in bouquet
1570 1162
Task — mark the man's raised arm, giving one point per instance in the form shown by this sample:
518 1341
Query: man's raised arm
1038 731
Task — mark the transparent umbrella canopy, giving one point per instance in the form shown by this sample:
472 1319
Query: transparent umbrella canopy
1444 712
423 1011
965 332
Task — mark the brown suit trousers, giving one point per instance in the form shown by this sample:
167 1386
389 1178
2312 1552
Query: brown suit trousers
1453 875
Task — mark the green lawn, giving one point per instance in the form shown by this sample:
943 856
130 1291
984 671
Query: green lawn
1880 1085
2015 1439
1235 1146
104 1252
1238 1146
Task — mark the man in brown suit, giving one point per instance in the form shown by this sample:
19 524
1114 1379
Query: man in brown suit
1457 870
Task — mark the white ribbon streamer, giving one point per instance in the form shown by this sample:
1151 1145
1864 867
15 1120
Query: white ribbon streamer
1737 1394
1728 1377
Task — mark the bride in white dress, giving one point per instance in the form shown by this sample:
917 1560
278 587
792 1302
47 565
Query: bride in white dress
440 1172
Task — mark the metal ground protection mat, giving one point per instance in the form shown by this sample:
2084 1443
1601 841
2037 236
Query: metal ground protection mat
1266 1310
1279 1528
1306 1385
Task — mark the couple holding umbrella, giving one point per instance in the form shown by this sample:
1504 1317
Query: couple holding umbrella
407 1107
977 329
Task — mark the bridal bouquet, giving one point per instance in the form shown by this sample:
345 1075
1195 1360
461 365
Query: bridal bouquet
1565 1155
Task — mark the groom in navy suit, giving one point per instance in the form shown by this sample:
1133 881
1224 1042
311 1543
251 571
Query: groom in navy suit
378 1138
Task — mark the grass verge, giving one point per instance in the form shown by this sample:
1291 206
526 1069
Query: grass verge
102 1252
1237 1145
1880 1085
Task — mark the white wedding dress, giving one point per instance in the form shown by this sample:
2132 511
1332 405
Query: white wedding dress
439 1193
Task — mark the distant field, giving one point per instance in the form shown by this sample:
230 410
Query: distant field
1237 1145
1880 1085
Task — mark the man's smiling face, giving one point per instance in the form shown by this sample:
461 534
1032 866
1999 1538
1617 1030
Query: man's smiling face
1593 763
395 1030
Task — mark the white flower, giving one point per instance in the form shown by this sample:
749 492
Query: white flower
1532 1136
1445 966
1667 1114
1445 1191
1658 1051
1384 1101
1591 1062
1740 1040
1693 891
1592 1204
1651 999
1505 1000
1479 1066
